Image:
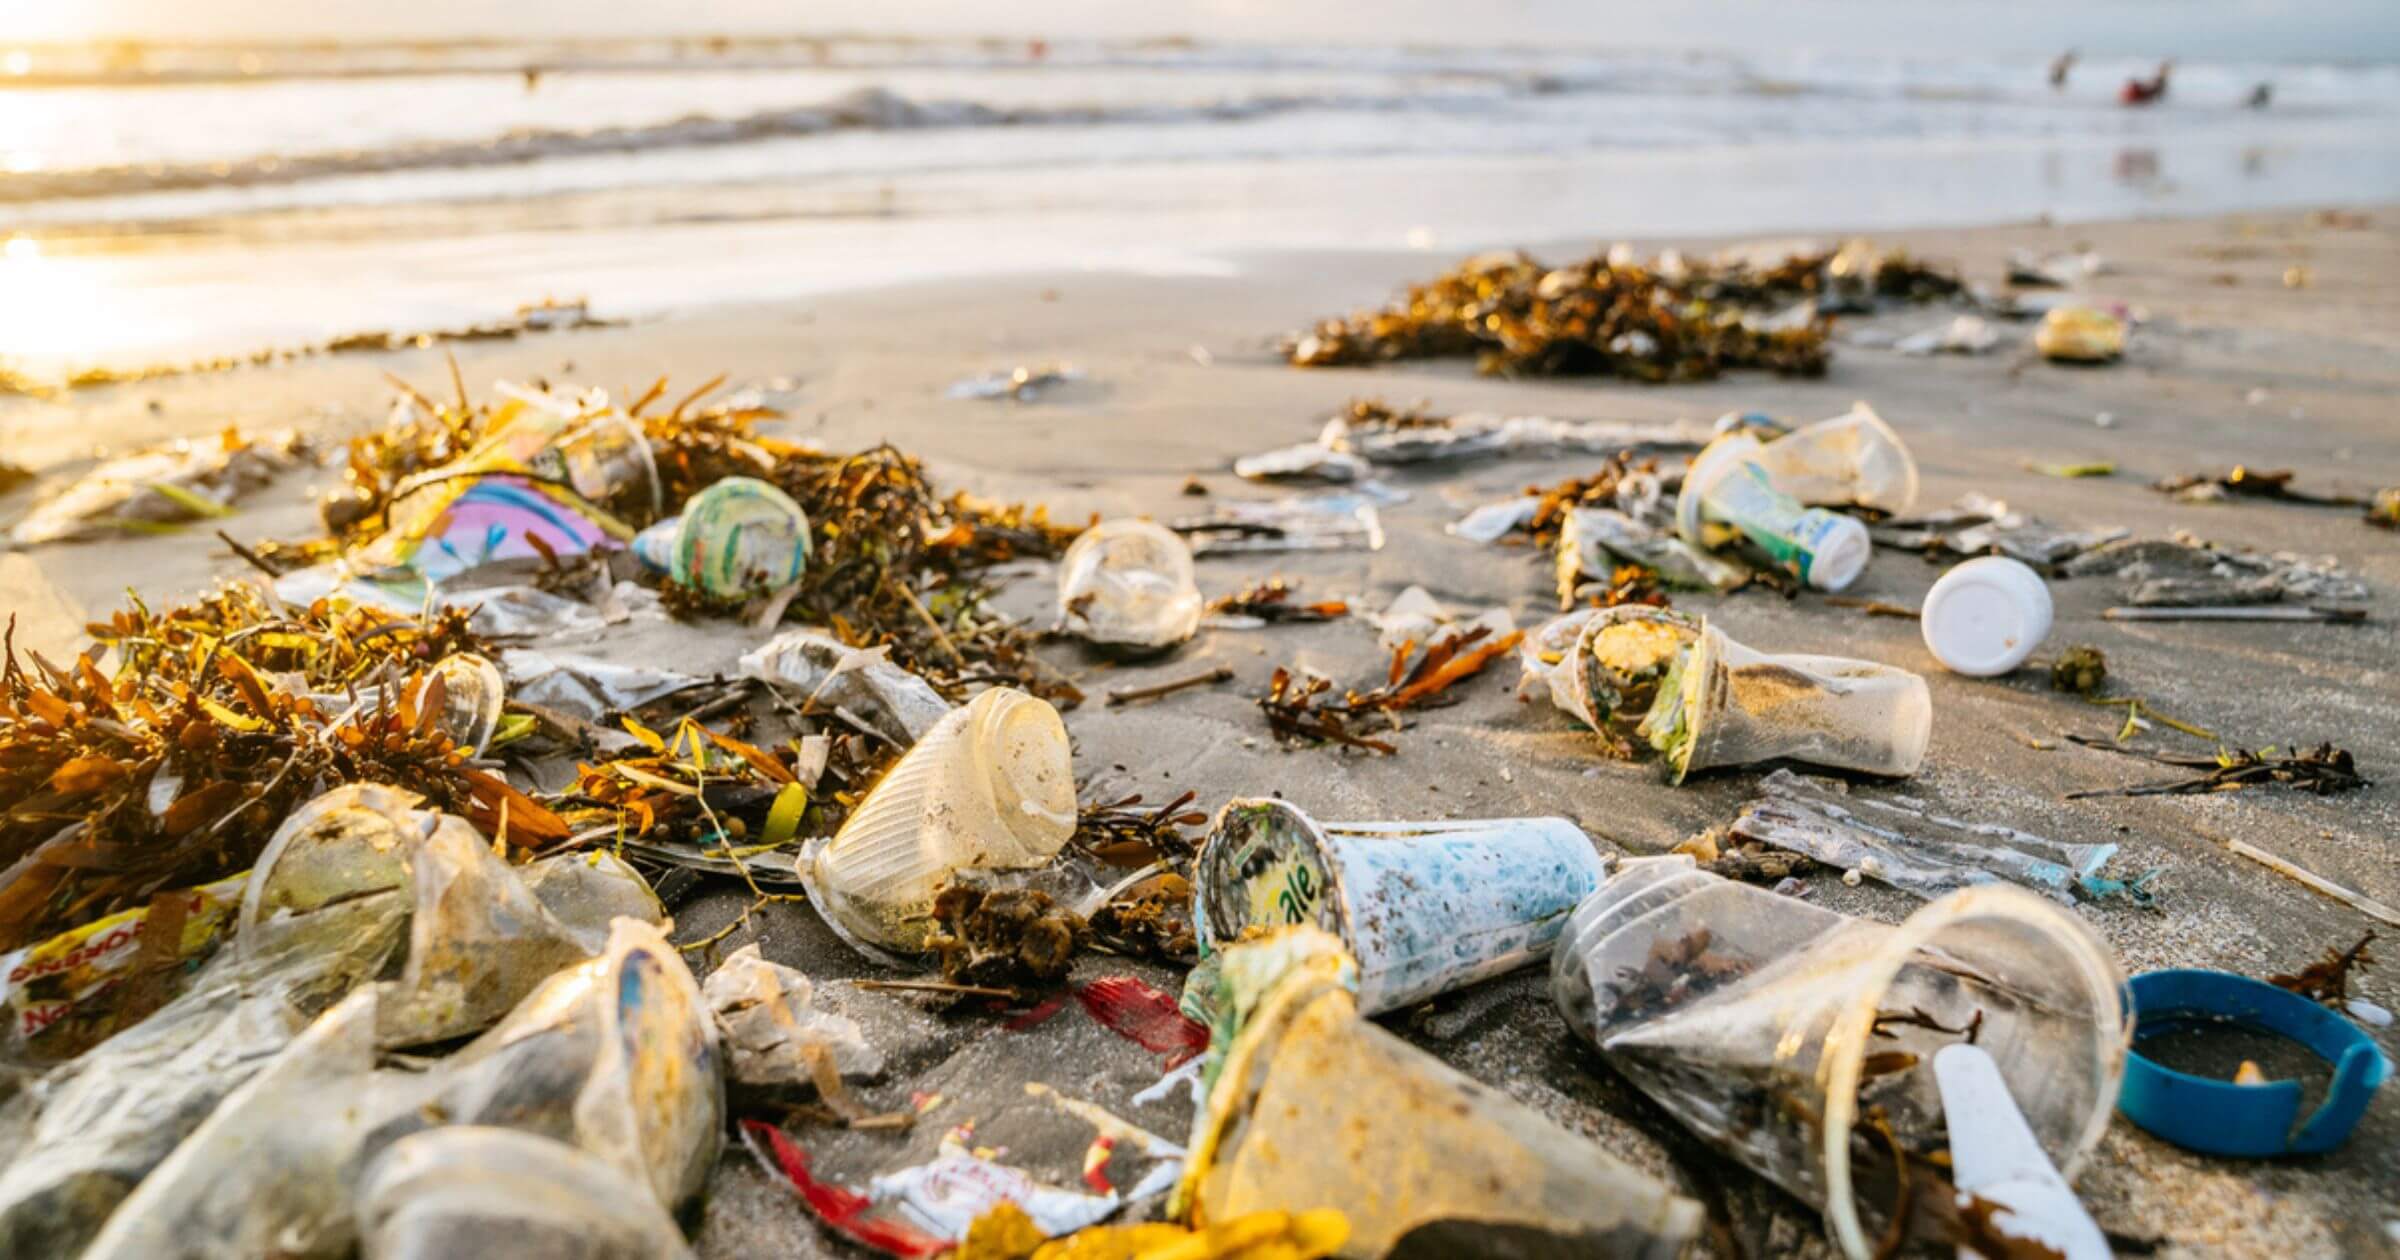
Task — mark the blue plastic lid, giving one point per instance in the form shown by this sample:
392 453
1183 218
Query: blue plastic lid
2221 1118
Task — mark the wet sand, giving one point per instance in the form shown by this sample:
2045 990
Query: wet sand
2231 367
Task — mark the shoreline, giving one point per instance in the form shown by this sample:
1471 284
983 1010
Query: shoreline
2248 372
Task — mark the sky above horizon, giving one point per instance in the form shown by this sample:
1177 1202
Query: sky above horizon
2353 30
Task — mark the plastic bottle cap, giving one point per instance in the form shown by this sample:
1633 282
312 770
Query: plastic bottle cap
1986 616
1841 555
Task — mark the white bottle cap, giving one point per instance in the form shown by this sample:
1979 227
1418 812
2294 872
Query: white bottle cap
1986 616
1841 555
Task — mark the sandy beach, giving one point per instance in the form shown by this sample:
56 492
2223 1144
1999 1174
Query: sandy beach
2230 365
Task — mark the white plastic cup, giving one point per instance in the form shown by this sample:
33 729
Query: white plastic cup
1986 616
990 787
1129 583
1728 485
1425 907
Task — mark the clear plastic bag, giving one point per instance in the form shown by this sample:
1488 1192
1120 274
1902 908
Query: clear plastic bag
770 1028
1908 847
1851 460
829 672
1799 1040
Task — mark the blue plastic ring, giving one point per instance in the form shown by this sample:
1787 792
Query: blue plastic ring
2221 1118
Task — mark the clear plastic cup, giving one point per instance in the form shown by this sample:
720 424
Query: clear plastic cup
738 538
1314 1106
1793 1037
1425 907
1986 616
1728 488
1851 460
472 695
991 787
1129 584
451 1191
1724 704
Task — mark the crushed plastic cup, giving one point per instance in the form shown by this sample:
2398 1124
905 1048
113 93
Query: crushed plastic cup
990 787
1724 704
1315 1106
738 538
1983 618
2080 334
1728 489
829 673
1425 907
1792 1037
1129 584
451 1191
1851 460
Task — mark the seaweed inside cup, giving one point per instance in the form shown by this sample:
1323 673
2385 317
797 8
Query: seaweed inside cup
1800 1041
1722 703
1619 663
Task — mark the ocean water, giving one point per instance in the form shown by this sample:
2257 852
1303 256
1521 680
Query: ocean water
182 200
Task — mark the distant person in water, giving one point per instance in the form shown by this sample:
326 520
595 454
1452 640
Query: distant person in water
2059 67
2261 96
2147 91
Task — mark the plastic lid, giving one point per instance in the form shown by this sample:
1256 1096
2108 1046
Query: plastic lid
1985 619
1841 555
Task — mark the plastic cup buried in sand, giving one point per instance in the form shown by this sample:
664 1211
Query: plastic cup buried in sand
1723 704
989 787
1128 583
1800 1041
1728 487
1314 1106
1853 459
1425 907
1984 617
738 538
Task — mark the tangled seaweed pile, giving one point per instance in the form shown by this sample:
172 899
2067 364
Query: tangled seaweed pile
220 718
1608 315
892 560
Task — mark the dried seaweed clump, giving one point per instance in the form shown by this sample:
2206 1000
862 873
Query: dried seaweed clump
2080 670
1303 709
1273 602
220 721
1600 316
1004 937
2327 980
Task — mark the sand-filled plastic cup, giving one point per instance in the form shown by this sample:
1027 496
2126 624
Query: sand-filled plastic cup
1425 907
990 787
1851 460
1984 617
1129 584
739 537
1728 487
1315 1106
1619 659
1789 1035
1725 704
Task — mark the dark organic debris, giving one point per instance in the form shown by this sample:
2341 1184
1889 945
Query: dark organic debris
2081 670
2323 770
1153 919
1302 709
1124 834
1675 972
2249 483
1003 937
1273 601
1589 318
2328 979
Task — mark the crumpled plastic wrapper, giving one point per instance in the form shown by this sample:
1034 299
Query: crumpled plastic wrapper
830 673
1594 540
1977 525
2185 572
770 1028
168 485
584 687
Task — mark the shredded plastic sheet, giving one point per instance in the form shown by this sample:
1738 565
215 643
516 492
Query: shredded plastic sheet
584 687
830 673
1900 842
2184 571
1976 525
161 488
1332 521
770 1028
1594 540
